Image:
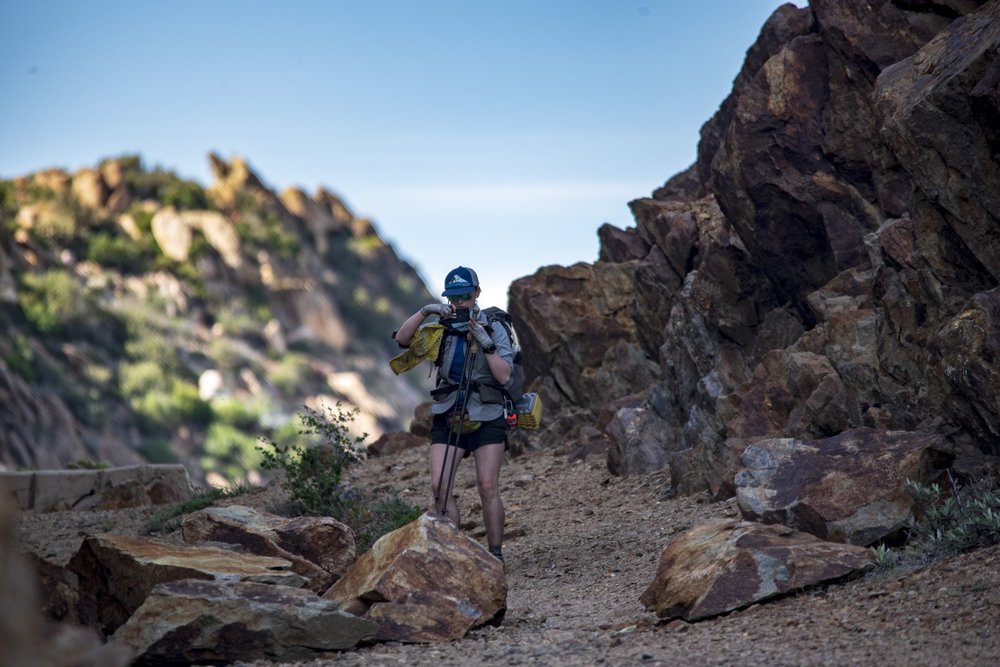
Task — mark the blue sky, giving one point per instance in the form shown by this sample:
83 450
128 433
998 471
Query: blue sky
498 135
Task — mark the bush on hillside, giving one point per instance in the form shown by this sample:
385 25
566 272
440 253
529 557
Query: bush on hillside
312 477
53 302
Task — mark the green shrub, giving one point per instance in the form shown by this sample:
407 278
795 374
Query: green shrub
182 405
166 520
260 229
230 451
312 477
140 378
183 195
143 220
8 196
967 519
118 251
370 515
20 357
158 450
236 412
87 464
54 302
312 473
55 227
946 524
287 375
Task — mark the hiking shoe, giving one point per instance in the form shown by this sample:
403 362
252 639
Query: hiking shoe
497 553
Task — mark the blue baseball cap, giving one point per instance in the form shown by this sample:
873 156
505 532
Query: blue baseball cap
462 280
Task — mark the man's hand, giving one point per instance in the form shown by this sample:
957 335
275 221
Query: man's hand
439 309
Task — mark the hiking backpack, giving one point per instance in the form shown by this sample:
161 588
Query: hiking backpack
516 390
521 410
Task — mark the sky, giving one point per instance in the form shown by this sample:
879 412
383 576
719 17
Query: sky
496 135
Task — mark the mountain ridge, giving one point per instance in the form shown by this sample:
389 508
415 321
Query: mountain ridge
148 317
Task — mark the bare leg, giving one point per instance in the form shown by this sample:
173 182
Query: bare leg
437 461
488 460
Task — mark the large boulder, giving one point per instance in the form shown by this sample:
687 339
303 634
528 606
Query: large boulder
849 488
319 548
192 621
424 582
728 564
116 573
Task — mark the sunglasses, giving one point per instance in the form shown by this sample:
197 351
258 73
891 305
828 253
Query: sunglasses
455 298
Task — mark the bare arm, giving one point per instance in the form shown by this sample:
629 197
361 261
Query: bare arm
499 367
405 332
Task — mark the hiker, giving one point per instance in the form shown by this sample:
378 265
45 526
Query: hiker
482 430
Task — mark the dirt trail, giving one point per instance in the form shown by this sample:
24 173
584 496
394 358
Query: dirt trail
581 547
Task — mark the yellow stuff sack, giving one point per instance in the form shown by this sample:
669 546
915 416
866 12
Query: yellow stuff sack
529 411
425 346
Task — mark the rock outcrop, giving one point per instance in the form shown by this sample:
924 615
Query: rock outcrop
121 286
829 263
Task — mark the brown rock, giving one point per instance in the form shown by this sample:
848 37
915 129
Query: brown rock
968 347
723 565
424 582
392 443
938 114
190 621
117 573
849 488
318 548
422 419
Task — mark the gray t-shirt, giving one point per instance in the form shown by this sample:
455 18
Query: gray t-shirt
478 411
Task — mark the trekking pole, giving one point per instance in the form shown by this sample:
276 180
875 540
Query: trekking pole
464 383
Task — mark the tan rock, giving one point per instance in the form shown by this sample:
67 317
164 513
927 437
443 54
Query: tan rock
117 573
89 188
424 582
728 564
172 234
220 233
321 549
105 488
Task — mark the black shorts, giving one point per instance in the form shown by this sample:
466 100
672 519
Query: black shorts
490 433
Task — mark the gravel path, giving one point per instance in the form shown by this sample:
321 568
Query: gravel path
581 547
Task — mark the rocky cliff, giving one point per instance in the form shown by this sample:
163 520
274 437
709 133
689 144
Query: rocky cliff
830 261
145 317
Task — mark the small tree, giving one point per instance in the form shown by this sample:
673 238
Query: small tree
312 473
312 477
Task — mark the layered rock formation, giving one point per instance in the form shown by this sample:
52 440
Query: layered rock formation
829 262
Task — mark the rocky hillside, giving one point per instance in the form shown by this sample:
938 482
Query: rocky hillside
829 262
145 317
